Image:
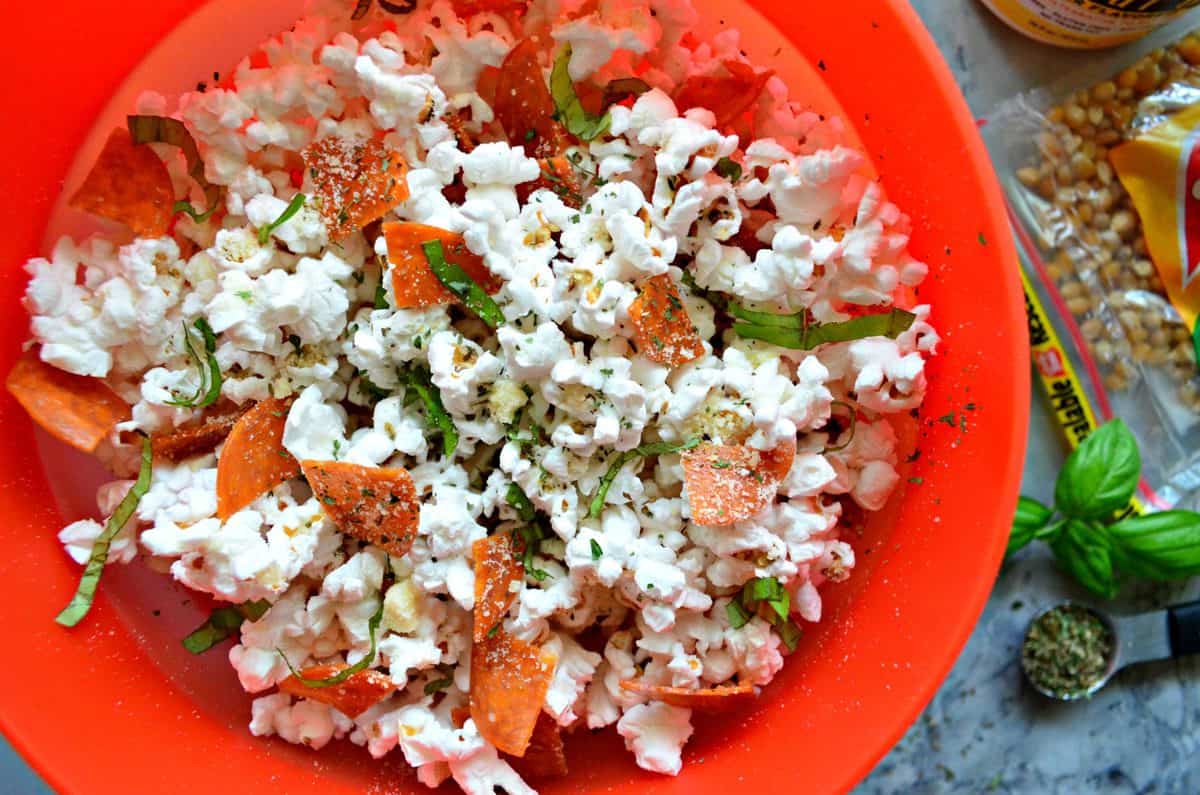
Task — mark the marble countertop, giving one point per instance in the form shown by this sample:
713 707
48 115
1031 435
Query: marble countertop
985 731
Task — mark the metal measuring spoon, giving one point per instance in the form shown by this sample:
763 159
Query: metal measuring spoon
1157 635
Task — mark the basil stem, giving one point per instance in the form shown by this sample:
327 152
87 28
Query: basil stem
81 602
349 671
791 331
571 112
208 391
165 130
222 623
418 380
264 233
458 282
596 506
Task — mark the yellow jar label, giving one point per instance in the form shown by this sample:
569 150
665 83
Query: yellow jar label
1088 23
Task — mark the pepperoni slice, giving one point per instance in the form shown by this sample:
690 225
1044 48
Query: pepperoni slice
372 504
253 460
184 443
712 699
413 282
557 175
523 103
356 181
497 568
469 8
728 96
75 409
128 184
509 679
661 327
728 483
544 758
356 695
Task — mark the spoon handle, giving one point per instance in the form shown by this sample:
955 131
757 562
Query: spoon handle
1183 623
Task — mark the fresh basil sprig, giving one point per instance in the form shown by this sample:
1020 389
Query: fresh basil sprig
767 593
417 379
458 282
579 122
621 459
264 233
222 623
797 333
209 389
349 671
81 602
1096 482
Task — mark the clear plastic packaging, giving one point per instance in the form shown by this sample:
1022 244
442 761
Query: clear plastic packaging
1108 341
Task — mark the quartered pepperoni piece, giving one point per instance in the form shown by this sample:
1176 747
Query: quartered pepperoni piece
557 175
128 184
497 570
509 679
544 758
186 442
523 103
356 181
413 283
372 504
728 96
253 460
356 695
75 409
661 327
728 483
711 699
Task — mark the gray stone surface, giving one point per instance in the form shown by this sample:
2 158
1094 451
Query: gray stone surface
985 731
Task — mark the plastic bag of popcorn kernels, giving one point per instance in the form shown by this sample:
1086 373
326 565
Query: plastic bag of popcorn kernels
1103 180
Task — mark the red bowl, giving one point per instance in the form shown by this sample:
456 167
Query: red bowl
114 706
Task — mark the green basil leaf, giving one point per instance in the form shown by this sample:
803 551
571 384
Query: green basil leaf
1031 516
458 282
596 506
1100 475
1083 552
729 169
222 623
519 500
1158 546
165 130
264 233
437 684
789 331
1196 341
789 633
737 615
418 380
345 673
571 112
208 390
597 551
531 537
81 602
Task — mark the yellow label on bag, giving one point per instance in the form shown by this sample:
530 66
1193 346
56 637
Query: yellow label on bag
1161 170
1087 23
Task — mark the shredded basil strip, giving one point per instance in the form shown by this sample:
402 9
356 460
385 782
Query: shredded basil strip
531 537
621 459
264 233
597 550
737 615
418 380
789 331
729 169
381 301
768 591
222 623
853 426
81 602
345 673
519 500
208 391
165 130
458 282
437 684
579 122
